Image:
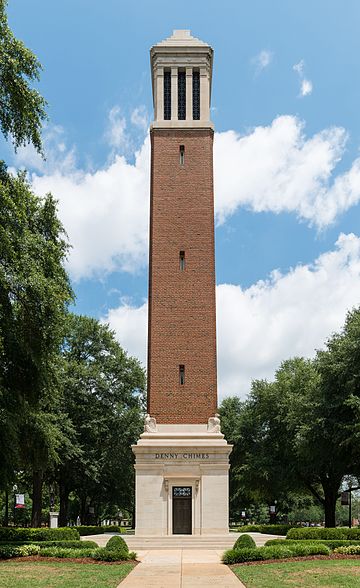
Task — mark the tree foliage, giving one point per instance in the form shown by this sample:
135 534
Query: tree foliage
34 294
22 108
103 393
300 432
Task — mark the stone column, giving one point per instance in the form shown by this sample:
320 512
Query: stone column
159 93
174 93
204 95
189 94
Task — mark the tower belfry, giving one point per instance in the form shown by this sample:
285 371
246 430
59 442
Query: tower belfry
182 457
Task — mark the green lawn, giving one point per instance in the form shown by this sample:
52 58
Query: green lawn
67 575
307 574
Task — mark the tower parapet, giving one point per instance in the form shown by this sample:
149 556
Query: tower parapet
181 70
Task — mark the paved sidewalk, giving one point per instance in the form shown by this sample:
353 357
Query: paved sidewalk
180 568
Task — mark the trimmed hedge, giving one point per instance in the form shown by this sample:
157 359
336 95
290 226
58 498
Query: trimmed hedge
244 541
97 530
332 543
72 544
233 556
24 534
266 529
350 550
117 542
66 552
8 551
324 533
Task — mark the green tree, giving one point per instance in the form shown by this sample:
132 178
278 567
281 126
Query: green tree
34 293
290 436
22 108
103 394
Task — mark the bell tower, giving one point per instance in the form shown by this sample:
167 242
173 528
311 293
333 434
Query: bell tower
182 458
181 331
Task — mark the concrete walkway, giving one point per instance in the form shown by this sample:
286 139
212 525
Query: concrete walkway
180 568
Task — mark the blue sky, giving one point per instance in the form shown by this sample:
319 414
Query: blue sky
286 94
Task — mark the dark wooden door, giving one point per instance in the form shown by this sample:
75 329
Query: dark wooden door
182 510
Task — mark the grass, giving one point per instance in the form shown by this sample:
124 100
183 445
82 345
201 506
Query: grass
307 574
64 575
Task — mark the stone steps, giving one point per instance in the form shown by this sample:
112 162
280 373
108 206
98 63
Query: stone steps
181 542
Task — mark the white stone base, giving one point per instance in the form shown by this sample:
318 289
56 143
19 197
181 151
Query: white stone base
182 455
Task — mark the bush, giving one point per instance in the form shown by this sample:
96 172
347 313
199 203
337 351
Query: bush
117 542
244 541
8 551
66 552
323 533
97 530
349 550
274 552
105 554
266 529
332 543
24 534
73 544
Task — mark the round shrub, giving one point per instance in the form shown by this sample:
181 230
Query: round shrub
26 550
244 541
117 543
105 554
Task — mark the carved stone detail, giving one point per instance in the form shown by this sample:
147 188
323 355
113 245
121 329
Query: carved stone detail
150 424
214 424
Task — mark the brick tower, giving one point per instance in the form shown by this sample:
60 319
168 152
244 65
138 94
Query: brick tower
182 339
182 457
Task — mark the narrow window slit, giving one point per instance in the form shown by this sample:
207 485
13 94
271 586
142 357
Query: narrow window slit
182 154
182 374
182 260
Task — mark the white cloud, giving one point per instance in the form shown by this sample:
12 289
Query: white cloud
140 118
116 132
262 60
306 86
276 168
130 325
105 213
258 327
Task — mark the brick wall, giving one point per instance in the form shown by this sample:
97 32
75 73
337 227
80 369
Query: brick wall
182 303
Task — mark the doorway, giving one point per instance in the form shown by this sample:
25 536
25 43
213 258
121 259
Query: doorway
182 510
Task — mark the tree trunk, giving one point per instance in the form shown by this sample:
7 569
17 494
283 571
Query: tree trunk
331 491
64 504
37 498
329 508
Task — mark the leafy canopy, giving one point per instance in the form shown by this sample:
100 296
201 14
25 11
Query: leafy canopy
22 108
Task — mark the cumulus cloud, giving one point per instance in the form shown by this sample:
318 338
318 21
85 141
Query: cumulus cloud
105 213
306 86
274 168
286 315
277 168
